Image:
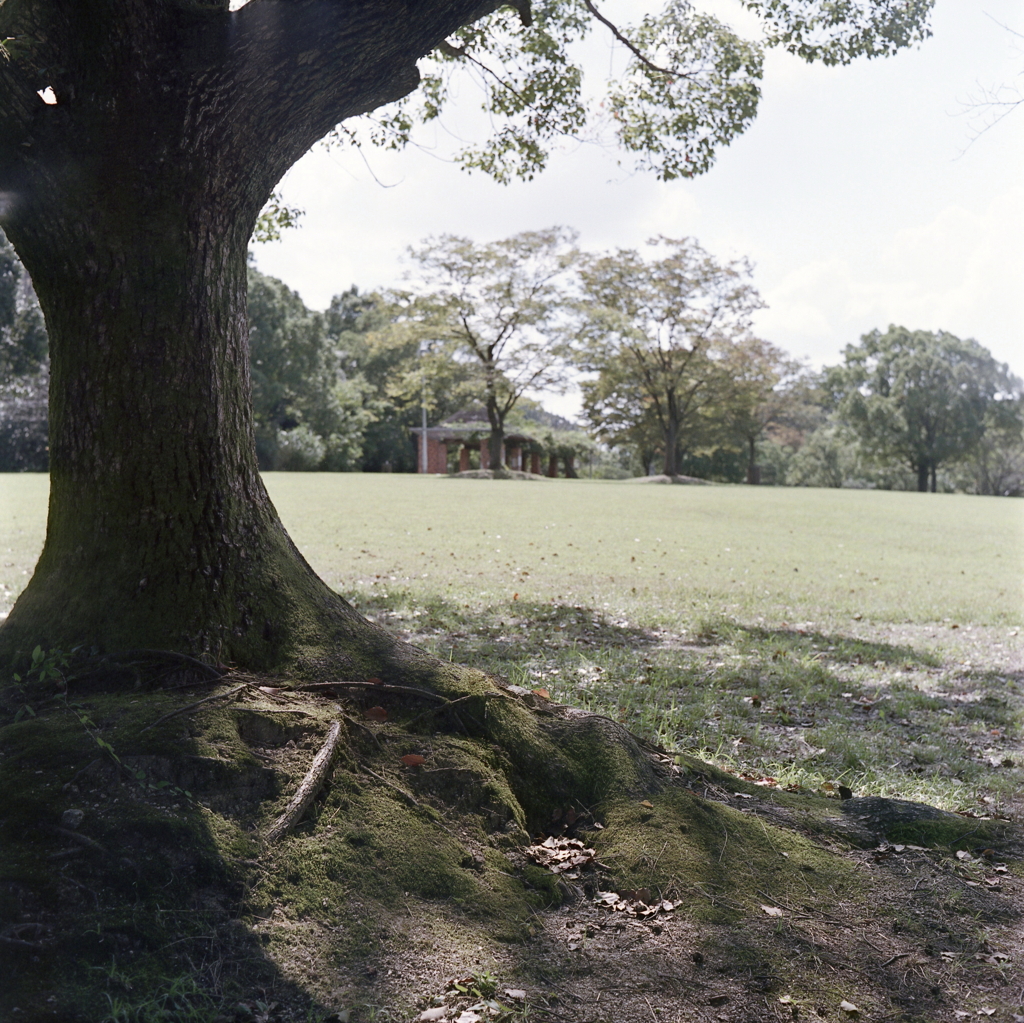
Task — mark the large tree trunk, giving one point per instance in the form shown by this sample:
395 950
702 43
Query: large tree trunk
496 440
133 219
922 476
672 447
160 532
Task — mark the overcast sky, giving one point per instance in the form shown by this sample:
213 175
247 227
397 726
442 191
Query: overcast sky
864 196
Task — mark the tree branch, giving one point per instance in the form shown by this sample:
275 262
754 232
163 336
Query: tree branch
632 46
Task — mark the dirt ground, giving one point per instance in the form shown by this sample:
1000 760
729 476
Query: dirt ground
410 892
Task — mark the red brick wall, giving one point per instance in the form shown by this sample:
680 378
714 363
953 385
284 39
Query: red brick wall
437 455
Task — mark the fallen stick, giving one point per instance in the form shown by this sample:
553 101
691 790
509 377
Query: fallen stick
310 786
76 836
383 687
205 699
172 655
411 800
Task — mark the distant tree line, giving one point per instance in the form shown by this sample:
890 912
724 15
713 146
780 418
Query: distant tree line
673 378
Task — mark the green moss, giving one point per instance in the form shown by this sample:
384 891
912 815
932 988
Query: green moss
721 862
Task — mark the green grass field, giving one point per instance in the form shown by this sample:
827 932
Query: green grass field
661 552
810 637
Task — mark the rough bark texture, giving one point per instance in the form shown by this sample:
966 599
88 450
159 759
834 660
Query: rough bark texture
131 201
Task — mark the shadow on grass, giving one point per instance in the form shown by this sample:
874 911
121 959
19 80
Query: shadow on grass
754 639
508 632
125 879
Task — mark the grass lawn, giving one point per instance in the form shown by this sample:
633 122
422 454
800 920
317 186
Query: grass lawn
801 637
661 552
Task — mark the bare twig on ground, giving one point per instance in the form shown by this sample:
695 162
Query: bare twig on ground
75 836
192 706
410 799
309 787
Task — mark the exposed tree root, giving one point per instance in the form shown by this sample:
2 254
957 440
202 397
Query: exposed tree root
198 703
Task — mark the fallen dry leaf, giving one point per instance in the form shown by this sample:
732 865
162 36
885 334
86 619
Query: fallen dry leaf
374 681
561 854
432 1014
413 760
647 803
270 689
636 894
375 714
629 903
542 693
772 911
848 1007
515 994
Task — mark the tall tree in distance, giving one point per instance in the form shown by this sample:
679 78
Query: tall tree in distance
23 341
497 307
24 376
379 338
919 398
661 331
768 392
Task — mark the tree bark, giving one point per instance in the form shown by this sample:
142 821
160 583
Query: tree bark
753 476
496 440
160 532
672 447
922 476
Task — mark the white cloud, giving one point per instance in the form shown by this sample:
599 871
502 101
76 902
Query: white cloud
959 270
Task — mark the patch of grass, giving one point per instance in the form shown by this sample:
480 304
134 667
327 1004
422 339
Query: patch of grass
808 710
655 553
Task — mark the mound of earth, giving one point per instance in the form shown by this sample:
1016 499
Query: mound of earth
662 478
472 851
497 474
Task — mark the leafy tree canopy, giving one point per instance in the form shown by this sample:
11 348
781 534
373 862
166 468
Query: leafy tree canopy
919 397
687 84
308 413
495 308
657 333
